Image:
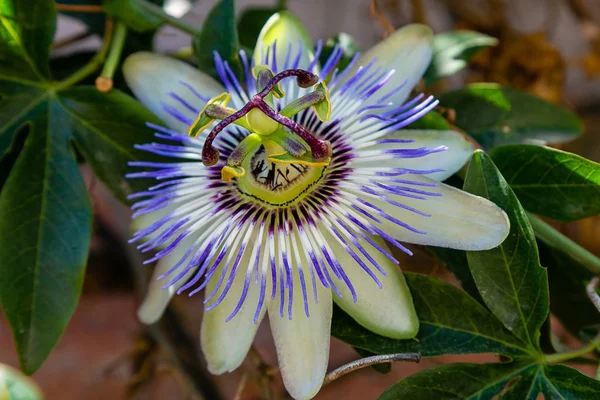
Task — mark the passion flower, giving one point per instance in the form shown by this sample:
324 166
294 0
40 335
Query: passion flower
287 186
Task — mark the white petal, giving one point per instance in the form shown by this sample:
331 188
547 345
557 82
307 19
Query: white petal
458 153
389 310
458 220
226 343
303 342
153 77
157 298
289 32
408 51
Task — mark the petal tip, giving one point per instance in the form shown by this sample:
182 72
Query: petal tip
502 229
305 391
137 60
418 32
220 360
406 331
150 311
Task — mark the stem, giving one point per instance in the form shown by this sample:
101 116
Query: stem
158 12
568 355
94 63
70 40
376 13
104 83
591 292
241 386
557 240
368 361
79 8
263 370
591 346
282 5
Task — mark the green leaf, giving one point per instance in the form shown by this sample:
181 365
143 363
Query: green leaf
456 261
487 381
219 33
45 228
26 33
496 115
45 214
45 211
510 278
10 157
550 182
17 102
455 381
451 322
251 22
133 14
348 46
431 120
452 50
564 382
106 127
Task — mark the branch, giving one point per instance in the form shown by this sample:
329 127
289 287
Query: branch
557 240
591 292
94 63
79 8
265 372
368 361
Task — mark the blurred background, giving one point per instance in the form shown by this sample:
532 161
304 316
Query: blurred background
550 48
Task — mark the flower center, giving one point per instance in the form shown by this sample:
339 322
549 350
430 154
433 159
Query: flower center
277 184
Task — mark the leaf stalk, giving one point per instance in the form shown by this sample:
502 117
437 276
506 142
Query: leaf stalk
104 82
94 63
557 240
178 23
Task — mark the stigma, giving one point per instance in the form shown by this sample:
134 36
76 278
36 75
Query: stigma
276 133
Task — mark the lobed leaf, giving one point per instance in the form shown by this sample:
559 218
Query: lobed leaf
451 322
45 211
518 381
45 228
26 33
106 127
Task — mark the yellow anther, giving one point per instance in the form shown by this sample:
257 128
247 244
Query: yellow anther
228 173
